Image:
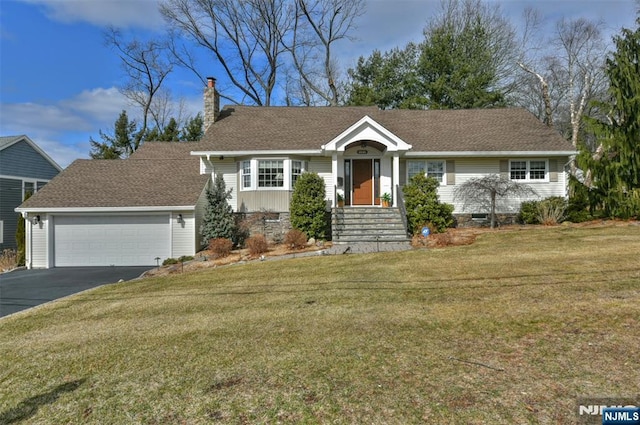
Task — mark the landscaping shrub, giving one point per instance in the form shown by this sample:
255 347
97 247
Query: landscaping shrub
169 261
295 239
529 212
185 258
423 206
551 210
218 220
8 259
308 206
257 245
220 247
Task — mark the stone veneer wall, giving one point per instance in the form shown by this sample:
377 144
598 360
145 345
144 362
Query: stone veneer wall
465 220
274 226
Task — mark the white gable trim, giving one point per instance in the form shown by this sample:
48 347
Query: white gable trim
366 129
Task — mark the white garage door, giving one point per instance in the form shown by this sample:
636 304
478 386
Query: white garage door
121 240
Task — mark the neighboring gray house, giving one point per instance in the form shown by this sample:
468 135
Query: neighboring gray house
150 206
24 167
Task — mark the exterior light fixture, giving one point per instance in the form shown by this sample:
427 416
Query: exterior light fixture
36 219
179 218
363 145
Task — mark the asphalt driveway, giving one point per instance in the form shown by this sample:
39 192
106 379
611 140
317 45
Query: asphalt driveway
23 289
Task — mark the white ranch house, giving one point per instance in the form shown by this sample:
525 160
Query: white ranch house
149 206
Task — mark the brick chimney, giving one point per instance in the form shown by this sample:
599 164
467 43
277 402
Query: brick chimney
211 103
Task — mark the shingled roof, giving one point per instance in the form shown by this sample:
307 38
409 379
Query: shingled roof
247 128
123 183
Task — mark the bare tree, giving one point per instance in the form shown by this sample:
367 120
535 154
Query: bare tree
318 25
481 193
243 36
146 68
570 76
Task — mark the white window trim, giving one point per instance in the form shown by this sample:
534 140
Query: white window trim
427 160
286 168
528 178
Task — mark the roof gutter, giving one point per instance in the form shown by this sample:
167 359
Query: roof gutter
209 154
110 210
475 154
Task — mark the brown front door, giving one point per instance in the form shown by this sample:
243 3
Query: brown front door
362 182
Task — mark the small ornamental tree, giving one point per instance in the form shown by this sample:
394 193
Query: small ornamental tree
218 220
482 192
308 206
423 206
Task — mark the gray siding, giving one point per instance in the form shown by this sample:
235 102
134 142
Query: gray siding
10 198
21 160
264 200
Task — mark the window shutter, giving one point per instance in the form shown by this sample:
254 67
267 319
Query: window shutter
451 172
553 170
504 168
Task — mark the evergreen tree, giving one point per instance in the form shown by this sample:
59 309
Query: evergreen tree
218 221
616 167
308 207
193 130
121 144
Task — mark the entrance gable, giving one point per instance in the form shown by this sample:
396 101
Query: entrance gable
366 129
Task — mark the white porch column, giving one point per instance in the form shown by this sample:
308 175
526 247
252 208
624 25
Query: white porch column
396 177
334 174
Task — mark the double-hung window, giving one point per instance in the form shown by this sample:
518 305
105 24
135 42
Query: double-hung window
270 173
431 168
296 171
245 171
528 170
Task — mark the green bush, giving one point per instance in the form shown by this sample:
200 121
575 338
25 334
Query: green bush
185 258
423 206
308 206
529 212
170 261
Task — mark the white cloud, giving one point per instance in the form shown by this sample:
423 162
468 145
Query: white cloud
119 13
63 128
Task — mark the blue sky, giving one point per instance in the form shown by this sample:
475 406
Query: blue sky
58 80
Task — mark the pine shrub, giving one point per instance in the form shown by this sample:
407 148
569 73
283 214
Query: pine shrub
423 206
308 206
218 220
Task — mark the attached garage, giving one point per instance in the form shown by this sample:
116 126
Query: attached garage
106 240
119 213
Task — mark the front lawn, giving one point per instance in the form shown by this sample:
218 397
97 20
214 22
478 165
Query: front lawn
511 329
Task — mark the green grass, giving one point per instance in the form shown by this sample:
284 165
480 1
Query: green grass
511 329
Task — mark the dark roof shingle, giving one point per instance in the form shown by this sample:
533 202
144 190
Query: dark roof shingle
92 183
245 128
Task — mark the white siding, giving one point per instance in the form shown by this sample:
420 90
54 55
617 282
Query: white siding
40 242
468 168
228 167
201 207
322 166
183 234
